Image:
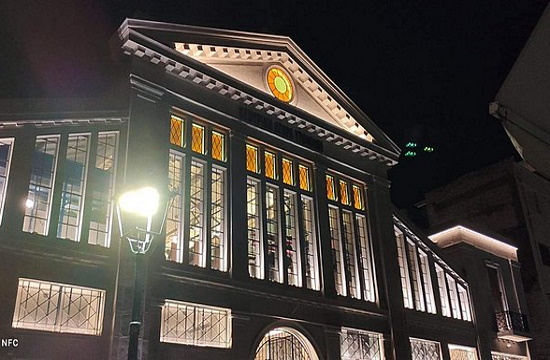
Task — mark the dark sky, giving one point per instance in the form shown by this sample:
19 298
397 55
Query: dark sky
424 71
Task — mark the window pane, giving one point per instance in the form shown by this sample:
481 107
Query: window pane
358 198
344 195
177 131
310 244
331 189
39 199
218 146
303 173
6 146
270 165
252 163
445 309
42 305
352 274
174 217
427 282
292 250
462 352
403 269
197 138
453 295
366 259
72 193
288 174
218 226
464 303
425 350
273 233
415 277
335 242
197 248
254 239
193 324
360 345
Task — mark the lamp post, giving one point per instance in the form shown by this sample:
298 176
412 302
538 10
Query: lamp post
139 221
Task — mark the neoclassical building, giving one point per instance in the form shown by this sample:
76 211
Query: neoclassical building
280 239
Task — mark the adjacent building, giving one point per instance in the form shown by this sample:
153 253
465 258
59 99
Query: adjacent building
280 240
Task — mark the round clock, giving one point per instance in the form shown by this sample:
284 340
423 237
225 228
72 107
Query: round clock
280 84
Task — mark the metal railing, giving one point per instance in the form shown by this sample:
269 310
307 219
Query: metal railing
511 321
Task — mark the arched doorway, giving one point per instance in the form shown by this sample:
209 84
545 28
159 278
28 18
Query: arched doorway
285 343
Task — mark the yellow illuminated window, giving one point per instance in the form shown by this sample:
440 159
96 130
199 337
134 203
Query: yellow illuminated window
270 165
177 131
357 197
280 85
252 158
197 138
218 146
288 176
344 195
331 191
303 174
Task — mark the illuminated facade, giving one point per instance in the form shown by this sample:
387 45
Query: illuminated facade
280 240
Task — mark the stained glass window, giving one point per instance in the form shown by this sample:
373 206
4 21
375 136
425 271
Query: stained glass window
331 190
303 173
197 138
177 131
270 165
357 198
280 85
252 163
344 194
218 146
288 174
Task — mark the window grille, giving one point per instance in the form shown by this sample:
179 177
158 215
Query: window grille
403 269
425 350
292 249
284 344
360 345
47 306
254 238
196 216
194 324
273 233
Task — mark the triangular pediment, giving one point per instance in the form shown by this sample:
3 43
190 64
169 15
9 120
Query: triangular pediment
246 58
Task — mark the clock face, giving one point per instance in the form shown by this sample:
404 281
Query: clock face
280 85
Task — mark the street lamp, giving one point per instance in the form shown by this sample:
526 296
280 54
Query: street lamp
139 221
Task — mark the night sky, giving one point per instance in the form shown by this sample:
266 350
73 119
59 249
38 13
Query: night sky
423 71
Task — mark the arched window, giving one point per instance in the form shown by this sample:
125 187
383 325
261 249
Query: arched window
285 343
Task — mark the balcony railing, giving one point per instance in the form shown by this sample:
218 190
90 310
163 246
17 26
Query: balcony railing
510 324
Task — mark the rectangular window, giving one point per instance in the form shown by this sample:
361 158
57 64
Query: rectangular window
464 303
303 173
6 146
331 188
101 187
177 131
458 352
255 249
501 356
337 260
344 194
427 281
72 193
366 258
310 244
287 171
174 217
453 295
352 275
197 250
358 202
39 200
252 163
47 306
415 277
425 350
445 307
292 250
403 269
197 138
197 325
270 165
218 146
273 225
360 345
218 244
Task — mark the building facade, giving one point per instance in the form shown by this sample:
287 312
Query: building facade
280 240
